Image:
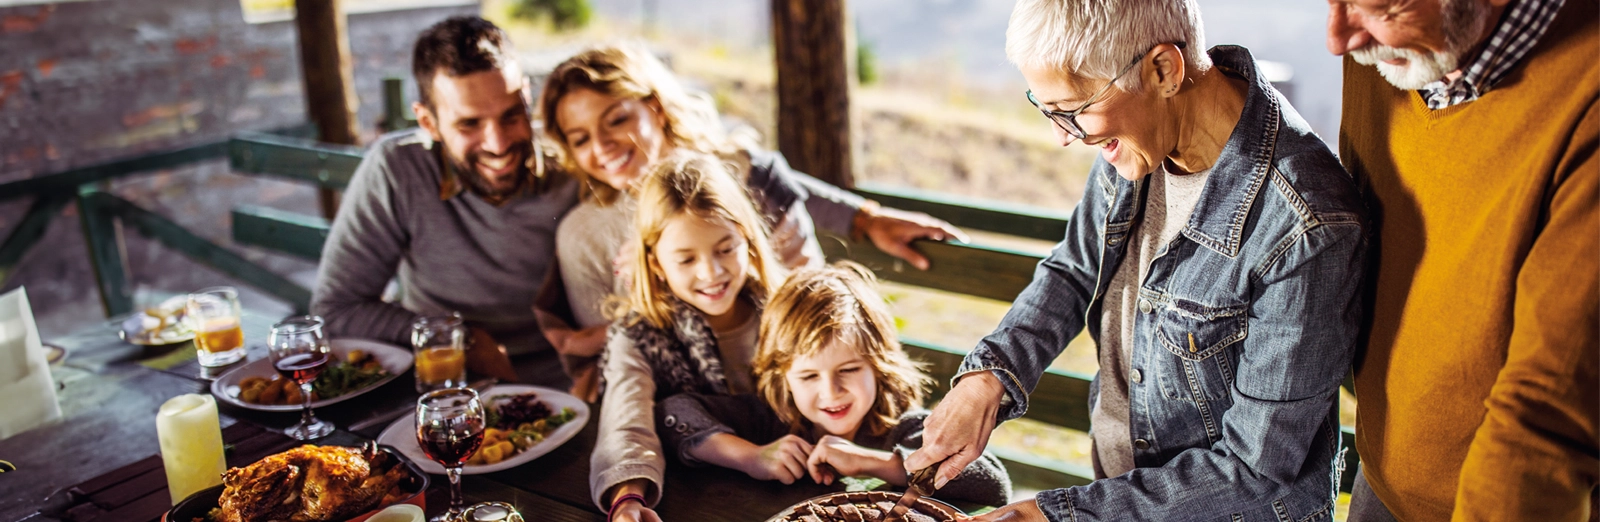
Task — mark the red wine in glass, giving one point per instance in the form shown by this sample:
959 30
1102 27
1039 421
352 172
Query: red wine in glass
299 352
450 424
302 368
448 447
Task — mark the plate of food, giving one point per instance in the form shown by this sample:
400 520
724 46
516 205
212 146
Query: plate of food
158 325
348 484
360 366
524 423
867 506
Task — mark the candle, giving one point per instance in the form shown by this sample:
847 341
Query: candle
191 444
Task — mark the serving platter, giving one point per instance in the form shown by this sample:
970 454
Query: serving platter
395 361
402 434
925 508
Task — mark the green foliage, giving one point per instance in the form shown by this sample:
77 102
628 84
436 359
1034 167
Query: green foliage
565 15
866 64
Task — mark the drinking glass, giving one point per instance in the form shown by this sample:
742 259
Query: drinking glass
450 425
439 342
300 352
214 316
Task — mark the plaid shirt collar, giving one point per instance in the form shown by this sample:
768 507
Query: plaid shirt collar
1515 36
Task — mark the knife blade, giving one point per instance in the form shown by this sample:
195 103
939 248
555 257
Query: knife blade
918 484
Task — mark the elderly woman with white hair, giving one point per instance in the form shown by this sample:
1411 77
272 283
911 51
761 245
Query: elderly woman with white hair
1216 259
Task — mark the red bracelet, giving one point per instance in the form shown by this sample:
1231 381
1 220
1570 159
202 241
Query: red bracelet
619 500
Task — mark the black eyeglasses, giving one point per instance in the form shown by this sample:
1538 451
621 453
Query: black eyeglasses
1068 120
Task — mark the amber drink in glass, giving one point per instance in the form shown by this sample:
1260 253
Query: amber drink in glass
440 344
213 314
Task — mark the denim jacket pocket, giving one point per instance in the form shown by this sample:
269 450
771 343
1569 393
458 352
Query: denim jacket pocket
1198 337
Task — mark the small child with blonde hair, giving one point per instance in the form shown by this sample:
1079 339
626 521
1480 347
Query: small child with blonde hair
837 396
688 323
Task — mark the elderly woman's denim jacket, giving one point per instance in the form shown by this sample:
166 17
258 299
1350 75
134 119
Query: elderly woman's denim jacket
1239 421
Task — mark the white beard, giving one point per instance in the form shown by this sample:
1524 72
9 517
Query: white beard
1419 70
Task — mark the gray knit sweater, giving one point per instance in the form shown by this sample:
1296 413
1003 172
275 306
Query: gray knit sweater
459 253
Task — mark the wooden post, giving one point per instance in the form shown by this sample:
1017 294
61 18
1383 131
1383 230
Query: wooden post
108 252
815 47
326 69
394 104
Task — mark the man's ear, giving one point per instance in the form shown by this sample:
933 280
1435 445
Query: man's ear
426 119
1169 70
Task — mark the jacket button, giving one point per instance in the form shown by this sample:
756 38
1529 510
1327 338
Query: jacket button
1145 307
1141 444
1136 376
670 421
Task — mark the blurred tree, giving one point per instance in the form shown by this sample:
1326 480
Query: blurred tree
565 15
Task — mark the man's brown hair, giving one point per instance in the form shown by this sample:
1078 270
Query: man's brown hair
457 46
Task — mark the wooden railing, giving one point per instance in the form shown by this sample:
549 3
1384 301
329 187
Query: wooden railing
1061 398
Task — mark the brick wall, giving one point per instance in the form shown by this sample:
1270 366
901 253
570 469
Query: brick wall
87 82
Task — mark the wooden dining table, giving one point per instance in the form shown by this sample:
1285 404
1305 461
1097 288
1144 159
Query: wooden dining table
100 462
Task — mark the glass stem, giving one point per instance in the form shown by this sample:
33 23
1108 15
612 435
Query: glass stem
305 410
455 490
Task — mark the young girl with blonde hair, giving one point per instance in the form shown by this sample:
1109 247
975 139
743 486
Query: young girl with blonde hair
837 396
688 322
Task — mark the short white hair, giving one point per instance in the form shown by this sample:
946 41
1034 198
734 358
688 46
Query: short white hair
1097 38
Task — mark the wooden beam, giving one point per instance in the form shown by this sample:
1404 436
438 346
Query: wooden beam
988 272
106 250
394 106
965 212
329 81
815 48
203 251
281 231
32 228
69 180
304 160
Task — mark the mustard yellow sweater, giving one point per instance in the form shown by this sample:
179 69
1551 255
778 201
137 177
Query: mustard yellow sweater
1478 393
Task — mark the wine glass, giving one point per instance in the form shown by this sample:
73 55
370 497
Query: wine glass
299 352
450 425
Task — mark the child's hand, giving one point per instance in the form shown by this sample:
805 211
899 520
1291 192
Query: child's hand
634 512
622 265
834 456
783 460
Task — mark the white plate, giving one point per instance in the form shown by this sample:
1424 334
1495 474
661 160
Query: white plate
403 433
144 329
394 360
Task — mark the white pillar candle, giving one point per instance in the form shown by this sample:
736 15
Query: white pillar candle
191 444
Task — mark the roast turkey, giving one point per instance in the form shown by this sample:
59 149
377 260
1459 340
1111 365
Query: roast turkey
309 484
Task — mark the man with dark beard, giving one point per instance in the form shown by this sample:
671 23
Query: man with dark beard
463 213
1476 133
454 208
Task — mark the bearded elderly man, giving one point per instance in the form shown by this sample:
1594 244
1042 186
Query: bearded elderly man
1478 390
456 210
